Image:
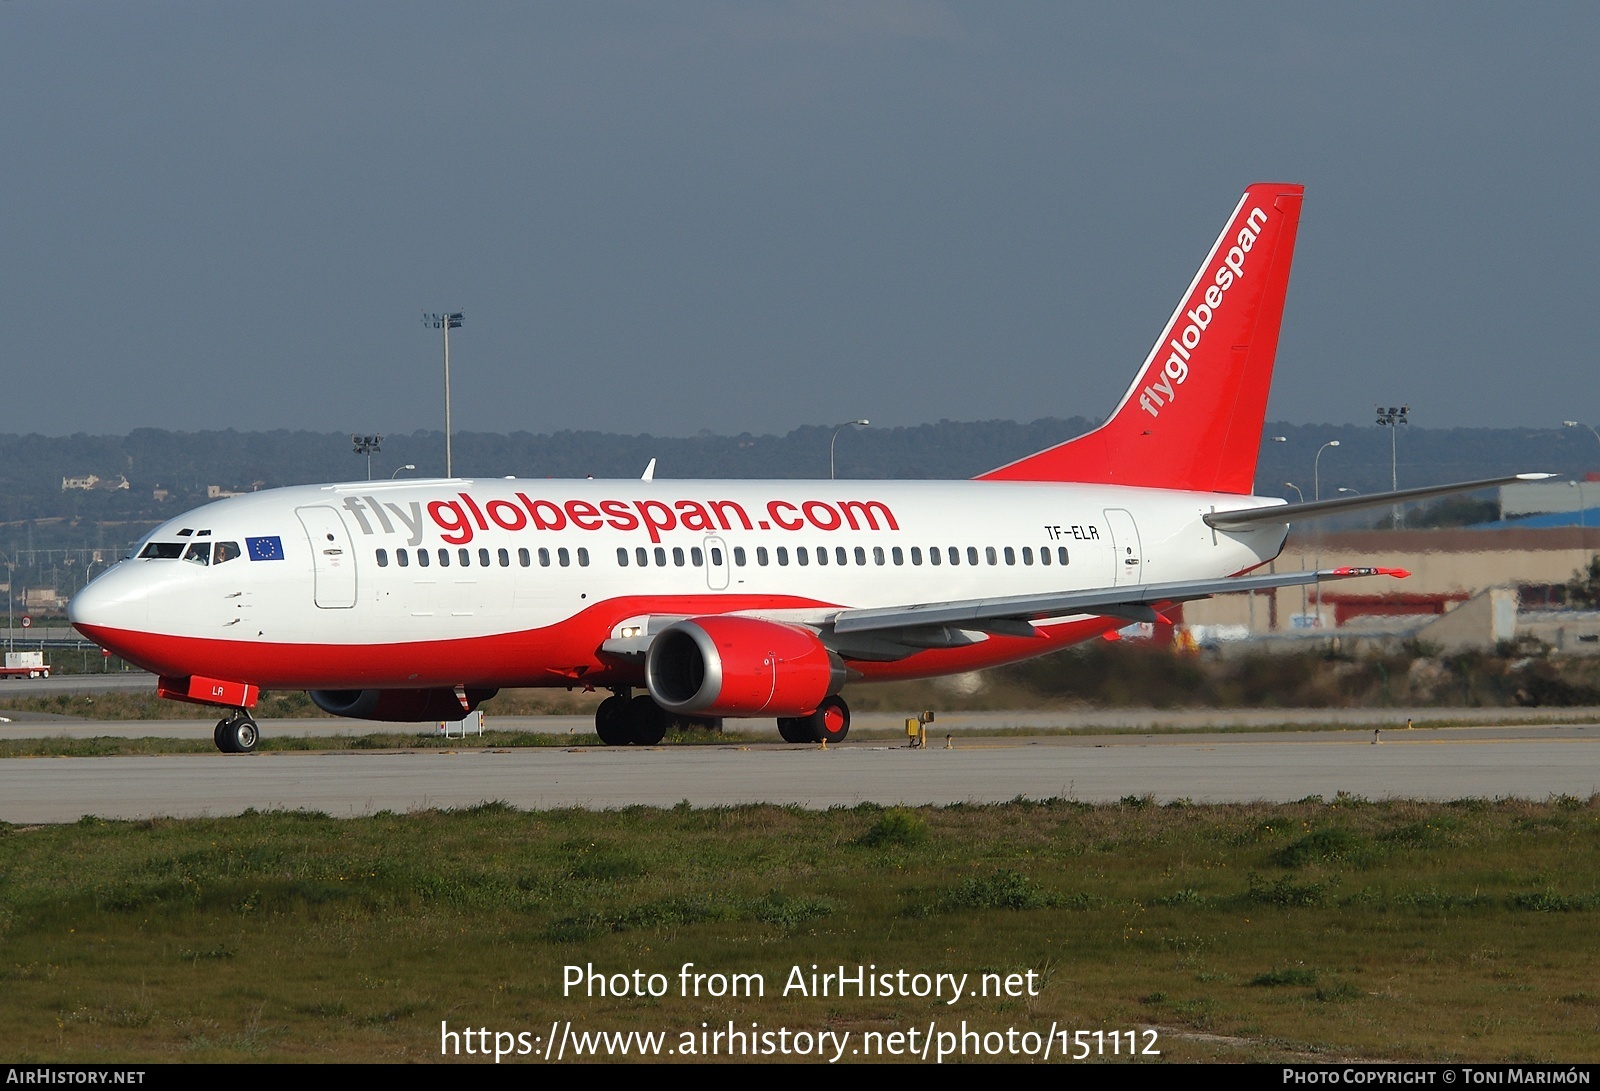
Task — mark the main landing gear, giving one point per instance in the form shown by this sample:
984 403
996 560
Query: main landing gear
237 734
625 720
829 723
622 720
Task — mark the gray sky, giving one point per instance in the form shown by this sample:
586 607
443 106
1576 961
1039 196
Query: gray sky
727 216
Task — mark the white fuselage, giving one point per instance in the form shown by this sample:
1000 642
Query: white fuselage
517 582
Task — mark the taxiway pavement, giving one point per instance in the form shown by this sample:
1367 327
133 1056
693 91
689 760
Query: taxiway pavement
1486 761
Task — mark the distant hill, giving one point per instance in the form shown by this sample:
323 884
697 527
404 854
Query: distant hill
184 464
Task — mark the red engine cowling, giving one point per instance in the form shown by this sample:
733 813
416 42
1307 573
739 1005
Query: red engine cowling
740 666
398 705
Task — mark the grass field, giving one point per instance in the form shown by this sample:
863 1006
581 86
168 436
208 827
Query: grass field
1322 929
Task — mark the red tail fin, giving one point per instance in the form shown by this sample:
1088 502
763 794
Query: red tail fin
1193 418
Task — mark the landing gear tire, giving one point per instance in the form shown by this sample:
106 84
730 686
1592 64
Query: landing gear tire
829 723
611 721
237 734
796 729
646 722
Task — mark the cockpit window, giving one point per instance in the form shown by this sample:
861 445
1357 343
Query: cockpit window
163 551
225 551
199 553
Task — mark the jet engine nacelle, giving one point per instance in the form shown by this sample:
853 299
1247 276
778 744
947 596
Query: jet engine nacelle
398 705
740 666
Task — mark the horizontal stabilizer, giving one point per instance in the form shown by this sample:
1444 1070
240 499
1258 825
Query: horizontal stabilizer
1281 514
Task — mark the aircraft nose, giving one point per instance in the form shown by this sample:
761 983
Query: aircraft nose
117 600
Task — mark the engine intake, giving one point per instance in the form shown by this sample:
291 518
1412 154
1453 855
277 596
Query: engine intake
398 705
740 666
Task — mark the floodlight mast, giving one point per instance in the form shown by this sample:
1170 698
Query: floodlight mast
1392 418
446 322
367 445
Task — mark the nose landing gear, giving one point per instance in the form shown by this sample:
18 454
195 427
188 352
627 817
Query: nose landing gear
237 734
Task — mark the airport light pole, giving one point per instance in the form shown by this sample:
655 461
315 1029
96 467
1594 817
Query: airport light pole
1582 500
11 578
1392 418
1296 488
1316 469
862 423
407 466
1580 424
367 445
446 322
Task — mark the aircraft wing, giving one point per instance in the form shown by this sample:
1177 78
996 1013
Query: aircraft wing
1014 614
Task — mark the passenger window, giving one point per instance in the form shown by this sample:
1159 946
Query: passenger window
1027 554
422 558
226 551
955 556
972 555
783 555
988 553
403 557
464 555
877 554
622 556
1044 555
564 557
861 555
761 556
840 555
505 559
383 558
523 558
899 557
1061 554
483 557
642 555
716 556
199 553
934 556
544 557
583 557
661 557
738 556
677 556
444 557
697 556
916 554
802 556
822 554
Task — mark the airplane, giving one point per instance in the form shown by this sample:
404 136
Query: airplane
418 600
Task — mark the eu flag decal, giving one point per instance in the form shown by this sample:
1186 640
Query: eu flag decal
264 549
